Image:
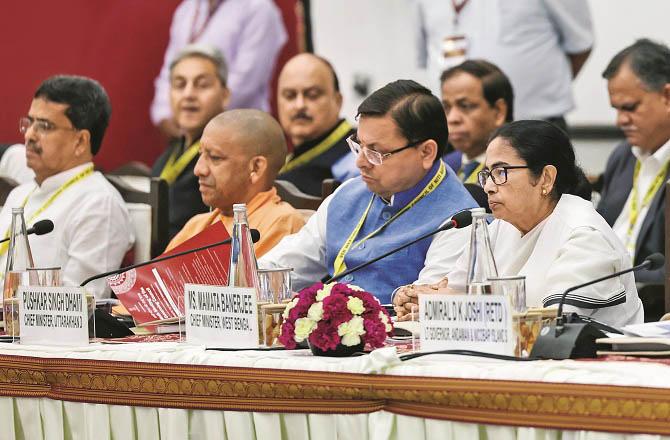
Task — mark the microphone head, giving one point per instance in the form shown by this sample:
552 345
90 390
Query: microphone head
462 219
255 235
43 227
656 261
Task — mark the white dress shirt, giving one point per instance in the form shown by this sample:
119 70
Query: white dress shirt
305 251
526 39
650 166
13 165
92 229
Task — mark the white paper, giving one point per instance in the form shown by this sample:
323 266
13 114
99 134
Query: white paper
219 316
53 315
466 322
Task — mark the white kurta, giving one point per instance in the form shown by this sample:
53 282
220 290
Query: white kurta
571 246
92 228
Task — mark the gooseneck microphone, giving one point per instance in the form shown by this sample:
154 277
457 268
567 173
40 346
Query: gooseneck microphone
459 220
255 236
39 228
566 339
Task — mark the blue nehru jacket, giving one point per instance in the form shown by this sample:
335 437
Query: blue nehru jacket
348 206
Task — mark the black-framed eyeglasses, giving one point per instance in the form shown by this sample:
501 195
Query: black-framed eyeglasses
375 157
498 174
41 126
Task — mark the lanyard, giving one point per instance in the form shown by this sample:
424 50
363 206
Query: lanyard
85 173
339 264
194 34
472 178
175 166
317 150
634 209
458 7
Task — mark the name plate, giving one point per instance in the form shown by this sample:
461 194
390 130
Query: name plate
466 322
220 316
53 315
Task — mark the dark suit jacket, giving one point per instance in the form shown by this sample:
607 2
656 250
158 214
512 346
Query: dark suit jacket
184 193
617 184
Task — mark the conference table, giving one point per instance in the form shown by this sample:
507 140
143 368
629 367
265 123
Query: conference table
172 390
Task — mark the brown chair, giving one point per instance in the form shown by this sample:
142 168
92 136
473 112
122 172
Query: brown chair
158 201
132 168
6 186
328 186
296 198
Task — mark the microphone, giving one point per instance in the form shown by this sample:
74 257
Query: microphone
255 236
569 340
39 228
459 220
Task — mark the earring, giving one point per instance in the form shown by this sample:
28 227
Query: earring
544 192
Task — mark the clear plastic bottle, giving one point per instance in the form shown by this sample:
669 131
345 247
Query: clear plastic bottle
481 264
19 259
243 268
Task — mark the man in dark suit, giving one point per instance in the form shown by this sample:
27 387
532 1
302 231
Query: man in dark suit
633 196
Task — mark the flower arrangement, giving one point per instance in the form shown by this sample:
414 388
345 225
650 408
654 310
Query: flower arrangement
331 314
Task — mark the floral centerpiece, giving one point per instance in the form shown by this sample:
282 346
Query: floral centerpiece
332 315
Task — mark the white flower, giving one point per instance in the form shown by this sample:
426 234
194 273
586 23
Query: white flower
355 305
324 291
385 320
355 288
289 306
315 311
303 327
351 331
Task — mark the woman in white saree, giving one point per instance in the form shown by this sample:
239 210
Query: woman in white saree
546 229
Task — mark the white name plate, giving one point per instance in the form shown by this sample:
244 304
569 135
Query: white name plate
466 322
53 315
220 316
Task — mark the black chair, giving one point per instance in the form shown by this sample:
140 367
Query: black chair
296 198
132 168
328 186
478 193
157 199
6 186
653 300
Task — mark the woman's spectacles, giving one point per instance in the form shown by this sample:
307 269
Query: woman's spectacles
498 174
375 157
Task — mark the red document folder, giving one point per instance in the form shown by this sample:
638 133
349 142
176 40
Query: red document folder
156 291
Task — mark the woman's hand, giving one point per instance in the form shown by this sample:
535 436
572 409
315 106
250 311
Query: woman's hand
406 299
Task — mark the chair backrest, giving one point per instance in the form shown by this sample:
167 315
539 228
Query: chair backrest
328 186
132 168
478 193
6 186
296 198
157 219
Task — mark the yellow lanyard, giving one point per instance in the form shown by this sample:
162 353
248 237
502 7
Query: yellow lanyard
175 166
85 173
634 209
339 264
319 149
472 178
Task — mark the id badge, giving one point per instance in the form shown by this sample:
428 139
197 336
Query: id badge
454 50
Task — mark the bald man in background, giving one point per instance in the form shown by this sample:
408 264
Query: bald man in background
309 104
241 152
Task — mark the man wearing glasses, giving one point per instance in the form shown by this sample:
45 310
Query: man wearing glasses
63 130
404 191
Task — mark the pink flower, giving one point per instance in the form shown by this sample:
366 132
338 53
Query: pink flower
287 334
325 336
375 332
335 309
